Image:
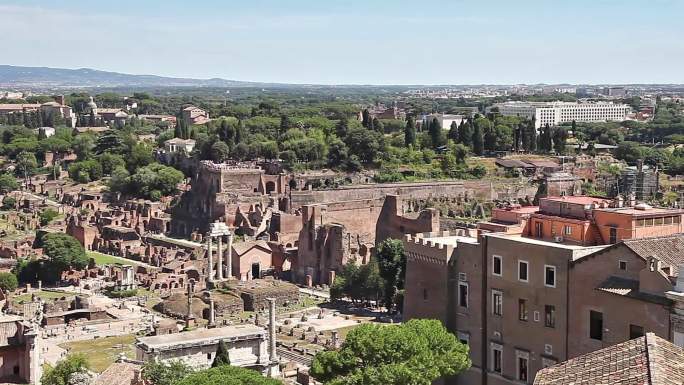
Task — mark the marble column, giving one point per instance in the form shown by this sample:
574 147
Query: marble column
229 259
210 259
220 258
272 330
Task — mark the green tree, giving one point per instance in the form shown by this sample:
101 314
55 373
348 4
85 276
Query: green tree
359 283
111 162
365 144
453 132
9 203
560 139
628 151
478 140
160 373
410 132
8 282
8 183
109 141
435 131
26 164
465 134
222 357
85 171
47 215
64 251
366 120
83 145
140 155
220 152
337 153
227 375
392 266
417 352
61 374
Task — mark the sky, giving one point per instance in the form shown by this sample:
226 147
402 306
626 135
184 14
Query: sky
355 41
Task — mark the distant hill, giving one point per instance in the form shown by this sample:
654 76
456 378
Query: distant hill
86 77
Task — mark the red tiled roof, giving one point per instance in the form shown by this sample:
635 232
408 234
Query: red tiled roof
645 360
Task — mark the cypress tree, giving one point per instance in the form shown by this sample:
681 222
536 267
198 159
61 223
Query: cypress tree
377 125
465 134
365 118
435 131
453 131
222 357
532 134
410 132
478 140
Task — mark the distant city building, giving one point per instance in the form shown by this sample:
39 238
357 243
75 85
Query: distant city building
170 120
555 113
444 120
195 115
617 92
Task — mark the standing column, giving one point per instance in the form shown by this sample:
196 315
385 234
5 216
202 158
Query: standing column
220 258
229 260
271 330
210 259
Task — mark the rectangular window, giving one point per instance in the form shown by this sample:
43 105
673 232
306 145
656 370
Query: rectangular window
567 230
425 294
497 302
539 229
635 331
522 309
522 369
613 235
623 265
463 294
497 357
668 220
549 316
464 338
595 325
658 221
550 276
522 271
496 265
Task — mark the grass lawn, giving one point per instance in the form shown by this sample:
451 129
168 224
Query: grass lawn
45 295
104 259
102 352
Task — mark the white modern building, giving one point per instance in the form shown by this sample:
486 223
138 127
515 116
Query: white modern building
444 120
555 113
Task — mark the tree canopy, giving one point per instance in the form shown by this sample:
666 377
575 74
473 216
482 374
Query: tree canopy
227 375
414 353
64 250
65 369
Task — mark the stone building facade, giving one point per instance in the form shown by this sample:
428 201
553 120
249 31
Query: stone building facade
523 304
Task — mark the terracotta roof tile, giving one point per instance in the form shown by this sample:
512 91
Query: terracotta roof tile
646 360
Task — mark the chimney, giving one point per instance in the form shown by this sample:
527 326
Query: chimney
272 330
60 99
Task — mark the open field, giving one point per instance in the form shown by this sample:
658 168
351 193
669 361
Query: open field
105 259
102 352
44 294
